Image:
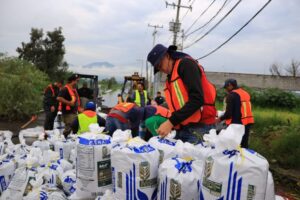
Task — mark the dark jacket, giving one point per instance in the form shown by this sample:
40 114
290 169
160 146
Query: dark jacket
50 98
190 74
233 108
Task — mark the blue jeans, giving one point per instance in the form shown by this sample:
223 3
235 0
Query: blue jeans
112 124
193 135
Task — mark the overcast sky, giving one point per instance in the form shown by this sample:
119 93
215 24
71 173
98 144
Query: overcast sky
116 31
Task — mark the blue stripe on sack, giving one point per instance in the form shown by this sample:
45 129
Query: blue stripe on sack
127 192
85 141
61 152
113 179
130 185
3 183
164 193
239 188
233 186
134 189
229 181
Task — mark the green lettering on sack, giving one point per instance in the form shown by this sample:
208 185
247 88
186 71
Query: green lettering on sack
214 188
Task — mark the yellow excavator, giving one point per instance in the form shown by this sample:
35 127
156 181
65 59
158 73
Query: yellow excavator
129 85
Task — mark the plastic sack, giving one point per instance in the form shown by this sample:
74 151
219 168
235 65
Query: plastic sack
108 195
4 134
7 168
135 170
69 181
28 136
270 191
179 179
165 146
64 149
20 184
93 168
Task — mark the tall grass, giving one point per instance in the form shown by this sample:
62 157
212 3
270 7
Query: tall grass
276 135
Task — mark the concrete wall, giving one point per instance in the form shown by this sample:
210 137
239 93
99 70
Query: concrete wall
250 80
256 80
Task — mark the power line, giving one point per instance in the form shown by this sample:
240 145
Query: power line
187 30
212 28
187 11
209 21
236 31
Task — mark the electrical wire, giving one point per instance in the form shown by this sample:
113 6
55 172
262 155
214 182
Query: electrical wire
212 28
187 30
211 52
209 21
187 11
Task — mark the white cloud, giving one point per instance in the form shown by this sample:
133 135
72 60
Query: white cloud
116 31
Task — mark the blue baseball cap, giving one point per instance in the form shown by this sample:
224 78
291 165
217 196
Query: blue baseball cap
156 54
90 106
231 81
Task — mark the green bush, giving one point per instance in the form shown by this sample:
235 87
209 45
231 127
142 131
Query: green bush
270 98
21 88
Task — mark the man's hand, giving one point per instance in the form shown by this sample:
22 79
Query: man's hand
52 108
165 128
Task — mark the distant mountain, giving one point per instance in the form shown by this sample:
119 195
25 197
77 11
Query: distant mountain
98 65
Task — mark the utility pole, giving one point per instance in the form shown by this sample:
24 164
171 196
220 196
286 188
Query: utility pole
175 26
142 61
150 85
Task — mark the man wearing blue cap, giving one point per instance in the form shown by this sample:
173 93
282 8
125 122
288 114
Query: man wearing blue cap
189 95
87 117
238 108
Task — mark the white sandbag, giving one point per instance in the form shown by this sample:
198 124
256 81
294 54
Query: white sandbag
95 128
278 197
64 149
232 172
52 174
108 195
93 168
4 134
19 185
44 193
65 165
7 168
73 156
179 179
165 146
28 136
135 170
44 145
270 191
121 137
58 123
6 146
68 181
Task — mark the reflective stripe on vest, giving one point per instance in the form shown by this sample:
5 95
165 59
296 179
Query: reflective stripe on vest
85 119
124 107
177 96
246 111
73 94
162 111
138 97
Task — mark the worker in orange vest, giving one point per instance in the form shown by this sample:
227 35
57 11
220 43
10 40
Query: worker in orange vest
189 95
238 108
129 116
51 104
69 103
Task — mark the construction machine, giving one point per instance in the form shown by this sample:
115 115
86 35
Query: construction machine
129 85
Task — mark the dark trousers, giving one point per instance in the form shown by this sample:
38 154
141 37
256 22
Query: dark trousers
244 143
49 121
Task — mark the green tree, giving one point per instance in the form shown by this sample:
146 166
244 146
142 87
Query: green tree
46 53
22 85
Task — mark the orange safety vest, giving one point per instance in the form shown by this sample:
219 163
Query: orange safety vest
124 107
246 112
177 96
162 111
51 88
72 93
